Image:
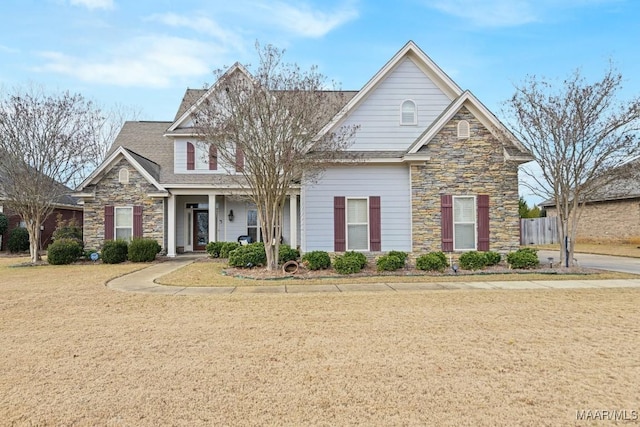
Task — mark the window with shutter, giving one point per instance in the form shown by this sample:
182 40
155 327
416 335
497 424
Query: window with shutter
483 222
446 222
357 224
464 223
108 223
375 229
213 158
191 156
339 238
239 160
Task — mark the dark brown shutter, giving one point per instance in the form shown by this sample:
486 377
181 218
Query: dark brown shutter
239 159
375 238
191 157
137 221
483 222
339 238
213 158
108 223
446 212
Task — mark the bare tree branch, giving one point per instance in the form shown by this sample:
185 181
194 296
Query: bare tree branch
273 117
580 136
46 142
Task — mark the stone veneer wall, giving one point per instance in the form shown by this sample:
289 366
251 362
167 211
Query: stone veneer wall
109 191
615 220
465 167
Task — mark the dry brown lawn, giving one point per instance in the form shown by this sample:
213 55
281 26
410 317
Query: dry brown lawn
76 353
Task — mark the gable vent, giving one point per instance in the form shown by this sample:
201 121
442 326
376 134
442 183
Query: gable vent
463 129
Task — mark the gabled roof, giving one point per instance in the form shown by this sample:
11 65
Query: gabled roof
624 187
237 67
516 152
421 59
148 169
64 200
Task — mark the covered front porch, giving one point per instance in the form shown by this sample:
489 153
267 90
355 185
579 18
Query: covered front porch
195 218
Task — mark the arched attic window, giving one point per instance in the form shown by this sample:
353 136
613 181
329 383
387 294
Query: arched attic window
463 129
408 113
123 176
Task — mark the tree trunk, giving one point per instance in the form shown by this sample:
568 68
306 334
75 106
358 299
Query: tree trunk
34 241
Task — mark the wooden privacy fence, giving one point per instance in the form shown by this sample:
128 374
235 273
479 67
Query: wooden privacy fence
539 231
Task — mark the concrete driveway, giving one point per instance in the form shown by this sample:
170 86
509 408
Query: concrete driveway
601 262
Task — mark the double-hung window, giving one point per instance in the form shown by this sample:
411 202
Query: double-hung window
357 224
123 223
464 223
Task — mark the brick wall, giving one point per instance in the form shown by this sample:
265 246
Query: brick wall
465 167
109 191
613 220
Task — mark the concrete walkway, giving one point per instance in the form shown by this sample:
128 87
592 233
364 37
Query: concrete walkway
143 281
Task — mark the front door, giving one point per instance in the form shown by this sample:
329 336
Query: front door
200 230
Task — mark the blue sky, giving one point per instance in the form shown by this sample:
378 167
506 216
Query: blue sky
145 53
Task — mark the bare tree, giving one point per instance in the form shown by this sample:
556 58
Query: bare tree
581 137
272 119
46 141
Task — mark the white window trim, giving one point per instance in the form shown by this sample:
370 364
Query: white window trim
123 175
415 113
347 223
115 220
475 223
201 154
467 131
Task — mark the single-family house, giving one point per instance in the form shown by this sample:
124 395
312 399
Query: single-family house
436 170
66 209
612 212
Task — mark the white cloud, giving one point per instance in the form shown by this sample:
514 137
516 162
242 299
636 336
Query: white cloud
305 21
199 24
143 62
93 4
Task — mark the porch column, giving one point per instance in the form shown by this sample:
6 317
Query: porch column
293 220
212 217
171 226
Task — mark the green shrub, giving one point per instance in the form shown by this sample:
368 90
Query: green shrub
523 258
227 247
493 258
214 248
389 263
115 251
346 265
248 256
472 260
64 251
358 256
18 240
287 253
143 250
4 223
316 260
433 261
402 255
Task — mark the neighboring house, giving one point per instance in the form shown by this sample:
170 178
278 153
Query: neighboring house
438 171
613 212
67 208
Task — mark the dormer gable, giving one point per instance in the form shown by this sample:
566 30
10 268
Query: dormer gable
198 97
